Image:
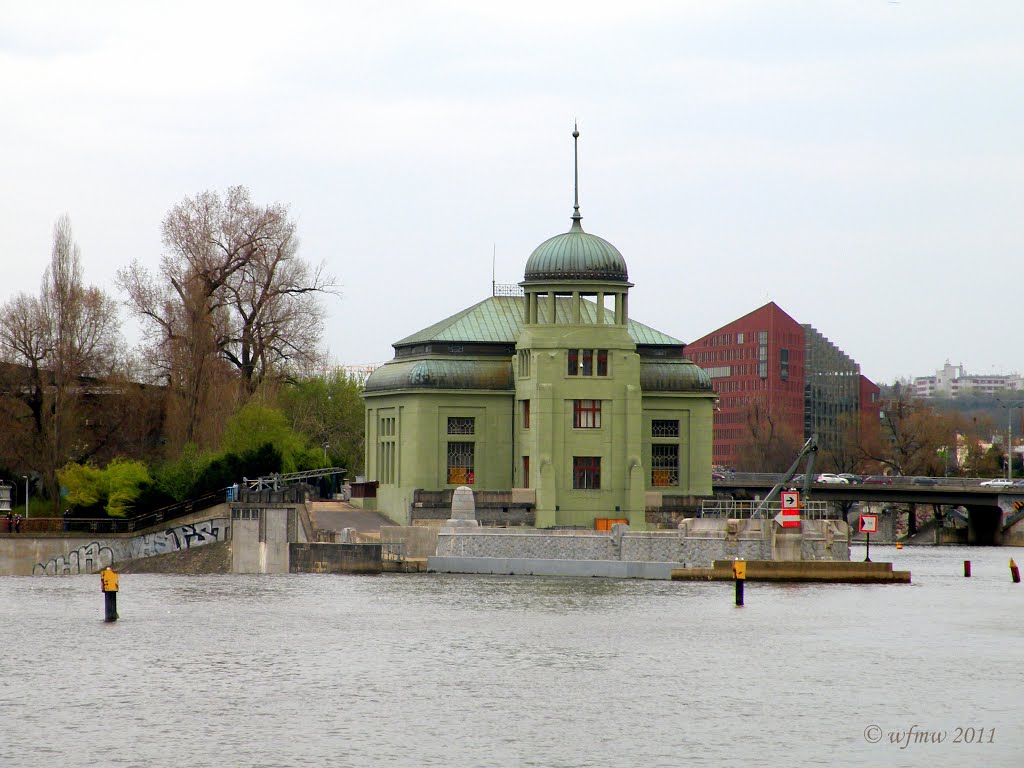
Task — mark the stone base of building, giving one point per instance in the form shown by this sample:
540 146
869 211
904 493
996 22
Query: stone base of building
521 566
648 554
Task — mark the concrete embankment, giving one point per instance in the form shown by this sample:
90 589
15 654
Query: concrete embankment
799 571
198 561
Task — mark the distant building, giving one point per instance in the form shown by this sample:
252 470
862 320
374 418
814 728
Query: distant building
800 377
951 381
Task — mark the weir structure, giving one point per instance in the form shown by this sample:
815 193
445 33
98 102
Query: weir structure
622 553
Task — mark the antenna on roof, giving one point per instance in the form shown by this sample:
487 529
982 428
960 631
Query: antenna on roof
576 177
494 257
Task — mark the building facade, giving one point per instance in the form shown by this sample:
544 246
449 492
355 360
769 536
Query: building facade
789 371
952 381
758 358
554 392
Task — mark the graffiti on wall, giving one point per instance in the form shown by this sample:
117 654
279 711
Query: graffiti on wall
86 559
91 557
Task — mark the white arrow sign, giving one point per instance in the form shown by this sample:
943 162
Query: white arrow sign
788 518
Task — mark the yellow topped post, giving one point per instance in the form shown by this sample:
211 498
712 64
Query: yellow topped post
108 583
739 573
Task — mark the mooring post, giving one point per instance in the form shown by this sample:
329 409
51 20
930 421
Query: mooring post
1014 572
967 568
739 573
108 583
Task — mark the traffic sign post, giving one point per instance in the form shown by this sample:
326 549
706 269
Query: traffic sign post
789 517
868 525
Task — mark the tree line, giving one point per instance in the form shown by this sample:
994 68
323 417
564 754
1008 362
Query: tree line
232 323
914 437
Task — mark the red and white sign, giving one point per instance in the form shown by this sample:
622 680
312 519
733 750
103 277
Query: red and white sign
869 523
788 518
791 500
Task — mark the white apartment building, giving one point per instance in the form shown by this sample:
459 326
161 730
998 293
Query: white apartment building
951 381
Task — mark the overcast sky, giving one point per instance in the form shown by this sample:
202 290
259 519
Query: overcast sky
860 163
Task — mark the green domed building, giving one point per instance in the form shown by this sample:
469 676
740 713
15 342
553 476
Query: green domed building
553 393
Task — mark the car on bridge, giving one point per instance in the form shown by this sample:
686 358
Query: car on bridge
831 479
997 482
878 480
924 481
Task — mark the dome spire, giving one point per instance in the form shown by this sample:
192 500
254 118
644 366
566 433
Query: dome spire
576 217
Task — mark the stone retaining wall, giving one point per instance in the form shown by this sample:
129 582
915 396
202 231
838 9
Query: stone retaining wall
698 542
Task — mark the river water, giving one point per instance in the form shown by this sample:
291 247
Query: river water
439 670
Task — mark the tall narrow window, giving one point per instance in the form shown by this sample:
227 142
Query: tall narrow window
526 471
526 413
587 369
586 472
460 463
387 451
602 362
664 465
573 362
586 414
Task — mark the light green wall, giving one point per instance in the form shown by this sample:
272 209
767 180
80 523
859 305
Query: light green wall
695 413
550 442
422 442
623 441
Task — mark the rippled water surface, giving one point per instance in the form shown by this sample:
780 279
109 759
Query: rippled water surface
430 670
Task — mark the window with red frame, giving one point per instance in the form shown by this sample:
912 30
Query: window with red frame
586 414
586 473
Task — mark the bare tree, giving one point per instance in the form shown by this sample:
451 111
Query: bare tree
24 341
911 440
770 446
230 294
67 335
276 319
912 436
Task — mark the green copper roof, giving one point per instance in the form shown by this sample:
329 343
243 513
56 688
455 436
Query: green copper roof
576 255
441 374
500 319
674 376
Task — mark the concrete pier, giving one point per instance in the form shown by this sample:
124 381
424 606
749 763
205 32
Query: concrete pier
836 572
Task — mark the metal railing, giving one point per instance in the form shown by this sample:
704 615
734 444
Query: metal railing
742 510
392 550
906 481
88 525
272 482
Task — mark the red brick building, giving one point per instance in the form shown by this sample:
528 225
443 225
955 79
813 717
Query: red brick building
767 360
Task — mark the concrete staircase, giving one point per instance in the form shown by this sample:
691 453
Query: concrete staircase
335 516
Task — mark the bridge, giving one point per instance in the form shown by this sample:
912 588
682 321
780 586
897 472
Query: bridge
991 515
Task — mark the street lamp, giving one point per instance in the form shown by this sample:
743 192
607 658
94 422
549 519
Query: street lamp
1009 434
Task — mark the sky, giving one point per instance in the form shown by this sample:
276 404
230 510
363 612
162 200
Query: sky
858 162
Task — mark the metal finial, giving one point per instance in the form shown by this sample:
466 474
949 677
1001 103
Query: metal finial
576 178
